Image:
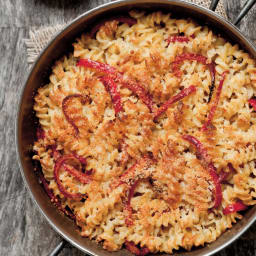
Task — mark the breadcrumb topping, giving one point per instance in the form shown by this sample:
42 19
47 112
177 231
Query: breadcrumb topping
120 143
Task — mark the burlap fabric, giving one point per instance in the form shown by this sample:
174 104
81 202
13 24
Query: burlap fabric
40 36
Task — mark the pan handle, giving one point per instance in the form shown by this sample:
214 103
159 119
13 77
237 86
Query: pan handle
58 248
247 7
213 5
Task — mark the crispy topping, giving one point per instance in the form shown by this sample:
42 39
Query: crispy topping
185 92
140 92
128 83
202 154
138 171
65 103
195 57
119 163
122 19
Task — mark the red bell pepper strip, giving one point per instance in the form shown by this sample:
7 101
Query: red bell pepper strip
127 177
217 185
123 19
199 58
208 122
83 178
202 154
80 158
252 102
105 68
55 153
132 177
201 151
224 175
181 39
111 87
65 102
231 168
128 219
130 246
111 71
190 56
235 207
185 92
61 161
53 198
140 92
40 133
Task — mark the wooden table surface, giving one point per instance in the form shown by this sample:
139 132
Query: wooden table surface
23 230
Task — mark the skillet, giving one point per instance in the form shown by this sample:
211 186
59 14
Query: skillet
26 122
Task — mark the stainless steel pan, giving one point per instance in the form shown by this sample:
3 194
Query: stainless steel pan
26 122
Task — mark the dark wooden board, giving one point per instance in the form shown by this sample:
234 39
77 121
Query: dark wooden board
23 230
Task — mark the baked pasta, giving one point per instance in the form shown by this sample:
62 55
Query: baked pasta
147 133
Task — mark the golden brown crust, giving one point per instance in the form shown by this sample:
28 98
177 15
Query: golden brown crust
171 202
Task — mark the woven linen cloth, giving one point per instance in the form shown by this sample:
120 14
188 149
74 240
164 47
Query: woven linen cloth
40 36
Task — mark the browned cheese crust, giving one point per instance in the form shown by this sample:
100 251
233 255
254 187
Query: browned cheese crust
172 203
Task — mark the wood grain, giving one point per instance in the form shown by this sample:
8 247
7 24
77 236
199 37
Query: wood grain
247 25
23 230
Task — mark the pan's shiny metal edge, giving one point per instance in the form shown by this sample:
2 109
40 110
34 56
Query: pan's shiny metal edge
228 25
